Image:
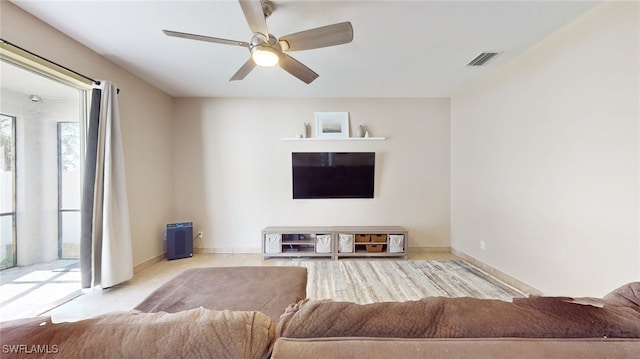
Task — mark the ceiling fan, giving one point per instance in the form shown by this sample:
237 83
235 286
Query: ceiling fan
267 50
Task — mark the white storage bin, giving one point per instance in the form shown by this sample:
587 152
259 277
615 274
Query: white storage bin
345 243
323 243
396 243
273 243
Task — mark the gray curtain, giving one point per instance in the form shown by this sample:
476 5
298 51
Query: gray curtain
105 243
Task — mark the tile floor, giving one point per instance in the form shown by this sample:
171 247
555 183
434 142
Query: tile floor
31 290
126 296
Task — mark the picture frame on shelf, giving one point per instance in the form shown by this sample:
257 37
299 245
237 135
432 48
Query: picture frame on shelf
332 124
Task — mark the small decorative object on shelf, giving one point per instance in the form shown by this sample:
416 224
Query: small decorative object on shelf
366 134
360 131
307 130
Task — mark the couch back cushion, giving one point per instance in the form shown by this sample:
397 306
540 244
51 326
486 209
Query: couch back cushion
438 317
197 333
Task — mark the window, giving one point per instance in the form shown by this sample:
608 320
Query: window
7 192
69 177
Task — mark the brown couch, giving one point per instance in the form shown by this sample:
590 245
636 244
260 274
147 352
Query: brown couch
536 327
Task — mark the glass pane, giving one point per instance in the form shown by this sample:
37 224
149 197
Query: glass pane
70 165
6 241
6 163
70 234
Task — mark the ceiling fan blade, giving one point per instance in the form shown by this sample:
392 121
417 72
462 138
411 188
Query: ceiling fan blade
244 70
330 35
297 69
254 14
185 35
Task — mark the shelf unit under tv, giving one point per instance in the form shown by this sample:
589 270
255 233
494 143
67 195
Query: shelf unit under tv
284 246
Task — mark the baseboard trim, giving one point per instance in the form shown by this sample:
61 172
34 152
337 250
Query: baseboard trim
429 250
518 284
227 250
148 263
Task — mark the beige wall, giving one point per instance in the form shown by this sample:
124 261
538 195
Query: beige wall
545 159
233 171
146 124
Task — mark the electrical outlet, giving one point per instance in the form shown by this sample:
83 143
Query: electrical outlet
200 235
482 245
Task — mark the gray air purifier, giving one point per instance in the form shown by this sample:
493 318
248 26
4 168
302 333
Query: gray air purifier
179 240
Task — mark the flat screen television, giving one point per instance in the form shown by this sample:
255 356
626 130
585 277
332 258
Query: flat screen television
333 174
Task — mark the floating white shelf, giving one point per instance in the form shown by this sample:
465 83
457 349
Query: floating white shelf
335 139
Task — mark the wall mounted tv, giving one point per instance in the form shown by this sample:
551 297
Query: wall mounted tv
333 174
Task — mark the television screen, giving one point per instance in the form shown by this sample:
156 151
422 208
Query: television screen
333 174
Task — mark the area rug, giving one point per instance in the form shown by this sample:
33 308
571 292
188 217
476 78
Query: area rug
370 281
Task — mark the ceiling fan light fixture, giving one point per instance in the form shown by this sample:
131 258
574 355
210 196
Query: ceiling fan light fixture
264 55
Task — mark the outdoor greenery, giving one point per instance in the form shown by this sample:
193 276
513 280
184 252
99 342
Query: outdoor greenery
6 142
69 145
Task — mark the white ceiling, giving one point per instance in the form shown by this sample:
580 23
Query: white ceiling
400 48
21 82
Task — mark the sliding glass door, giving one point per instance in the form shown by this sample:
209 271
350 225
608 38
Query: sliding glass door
41 135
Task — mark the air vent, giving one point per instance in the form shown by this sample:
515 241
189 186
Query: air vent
482 59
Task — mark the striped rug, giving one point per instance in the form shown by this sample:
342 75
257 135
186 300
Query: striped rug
369 281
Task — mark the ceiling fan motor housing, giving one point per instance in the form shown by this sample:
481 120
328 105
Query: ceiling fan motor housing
259 39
